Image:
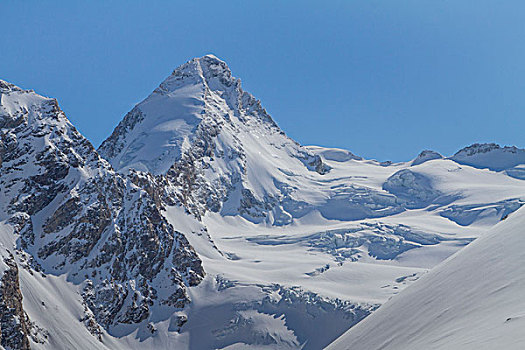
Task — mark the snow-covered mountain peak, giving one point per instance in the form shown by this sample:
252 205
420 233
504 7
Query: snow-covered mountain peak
478 148
203 131
194 102
17 104
208 70
210 55
36 123
14 97
426 155
6 87
64 206
491 156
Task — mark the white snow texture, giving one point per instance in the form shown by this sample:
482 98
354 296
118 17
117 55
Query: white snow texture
299 244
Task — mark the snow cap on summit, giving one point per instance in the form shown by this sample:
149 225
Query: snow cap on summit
6 86
207 71
212 56
426 155
26 106
205 62
156 133
491 156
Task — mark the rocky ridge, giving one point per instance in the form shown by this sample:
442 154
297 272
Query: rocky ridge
492 156
203 154
76 216
14 322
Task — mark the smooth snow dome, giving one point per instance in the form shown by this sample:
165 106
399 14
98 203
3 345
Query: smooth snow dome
334 154
474 300
426 156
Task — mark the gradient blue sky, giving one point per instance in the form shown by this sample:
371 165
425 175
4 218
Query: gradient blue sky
384 79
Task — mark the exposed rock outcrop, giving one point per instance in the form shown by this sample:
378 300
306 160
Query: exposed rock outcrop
78 217
14 322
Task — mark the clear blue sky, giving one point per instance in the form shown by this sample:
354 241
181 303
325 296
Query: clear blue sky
384 79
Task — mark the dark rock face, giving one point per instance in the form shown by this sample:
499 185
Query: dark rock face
186 178
76 216
114 144
14 322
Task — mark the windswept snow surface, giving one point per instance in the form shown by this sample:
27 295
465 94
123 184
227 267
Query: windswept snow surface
474 300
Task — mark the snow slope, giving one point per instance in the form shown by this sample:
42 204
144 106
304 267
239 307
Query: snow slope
294 240
216 145
494 157
474 300
490 156
280 216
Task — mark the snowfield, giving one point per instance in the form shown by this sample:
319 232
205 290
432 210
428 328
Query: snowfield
473 300
198 224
